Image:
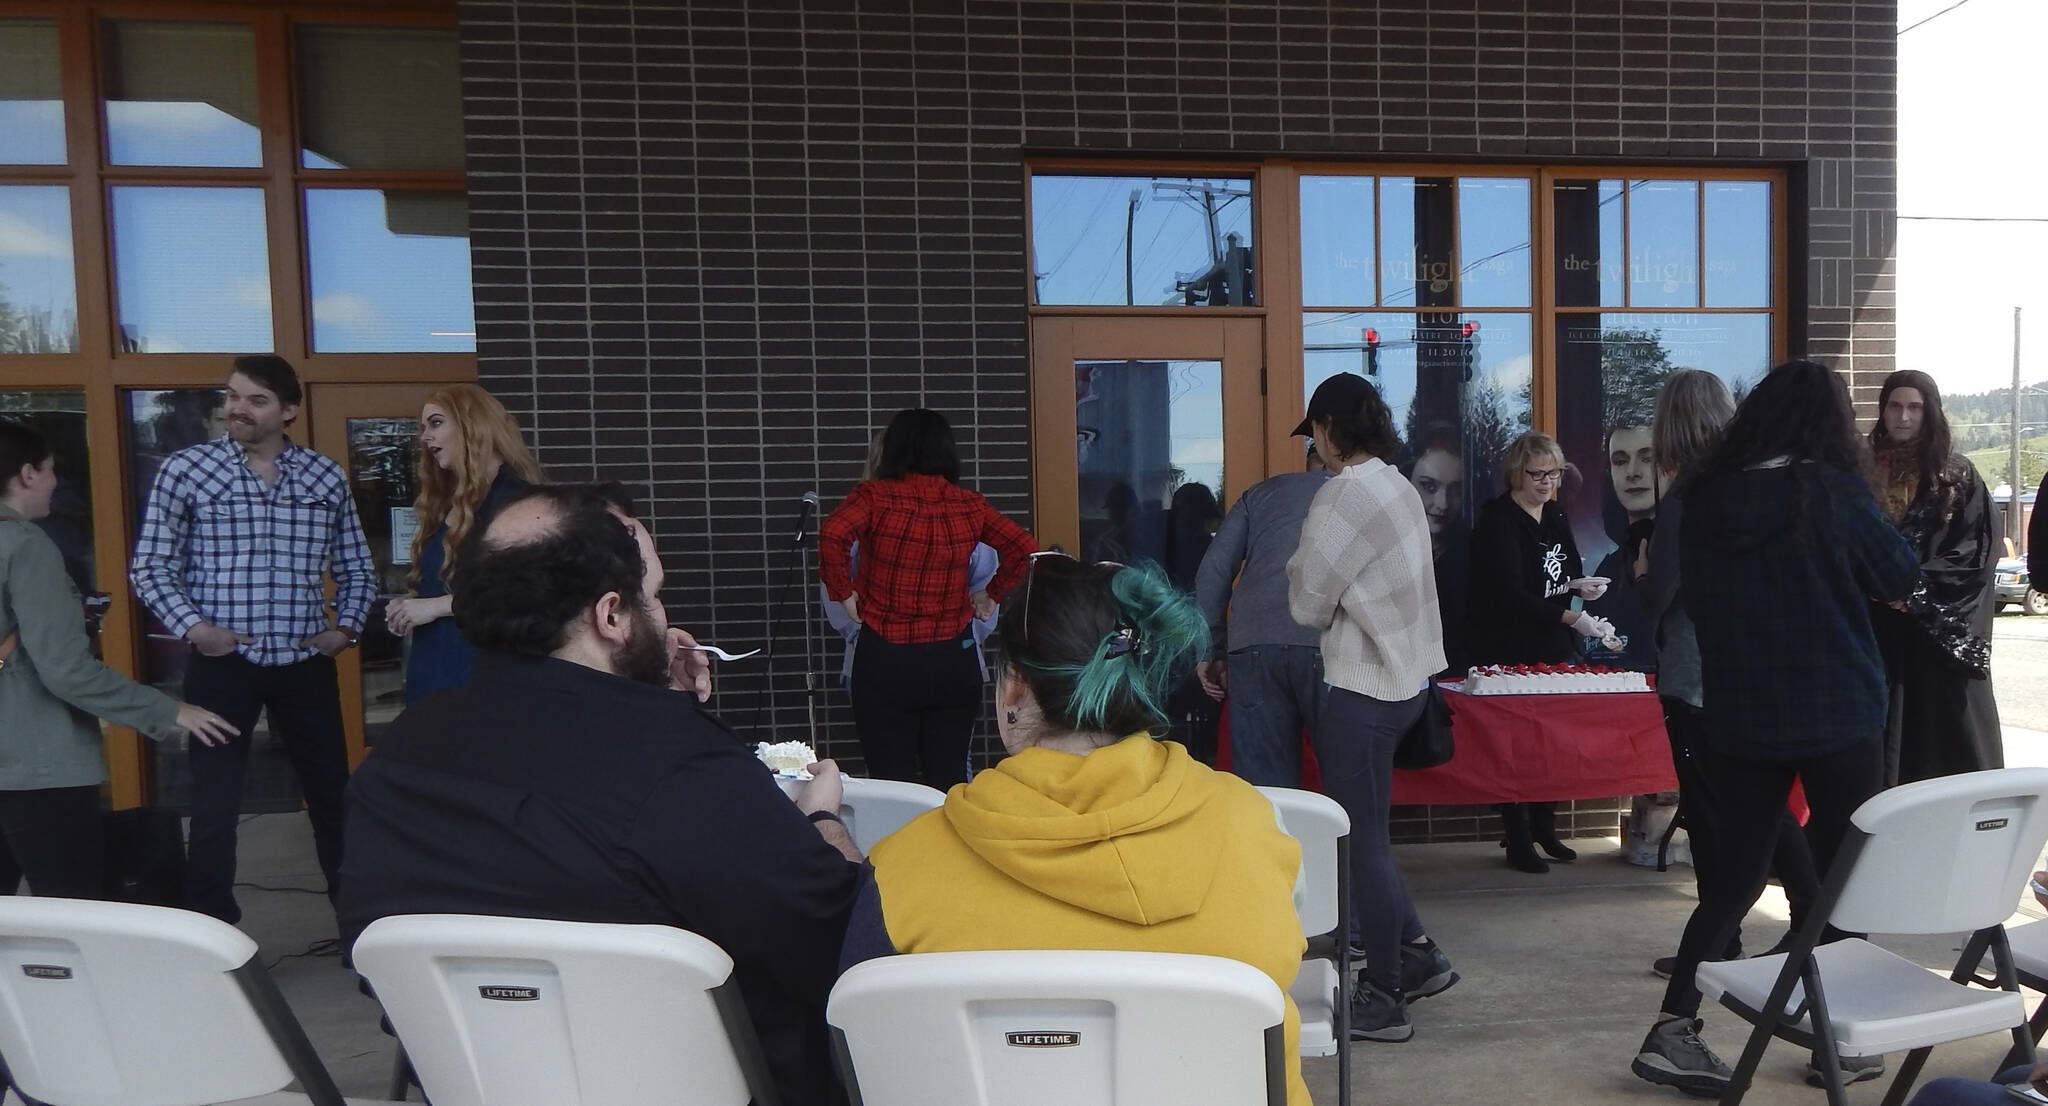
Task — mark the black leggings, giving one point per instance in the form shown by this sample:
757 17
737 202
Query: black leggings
1744 805
914 707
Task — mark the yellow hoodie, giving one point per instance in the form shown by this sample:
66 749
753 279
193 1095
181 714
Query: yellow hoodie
1134 846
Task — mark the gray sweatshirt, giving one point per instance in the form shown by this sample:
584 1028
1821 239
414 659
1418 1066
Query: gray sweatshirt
1259 534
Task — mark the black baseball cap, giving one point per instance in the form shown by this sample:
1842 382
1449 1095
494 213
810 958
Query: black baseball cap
1339 395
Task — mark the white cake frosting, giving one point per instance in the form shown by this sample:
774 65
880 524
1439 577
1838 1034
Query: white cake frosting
1546 679
787 758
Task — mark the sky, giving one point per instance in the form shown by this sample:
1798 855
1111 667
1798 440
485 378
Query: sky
1971 100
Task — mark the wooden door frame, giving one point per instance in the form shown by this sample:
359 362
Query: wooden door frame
1057 342
330 408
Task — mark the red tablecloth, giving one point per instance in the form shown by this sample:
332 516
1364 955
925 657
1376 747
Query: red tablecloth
1536 748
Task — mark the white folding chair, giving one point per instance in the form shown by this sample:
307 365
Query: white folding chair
1322 989
1937 856
874 809
117 1004
524 1012
1091 1028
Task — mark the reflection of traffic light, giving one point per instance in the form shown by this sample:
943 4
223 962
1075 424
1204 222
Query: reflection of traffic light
1468 344
1372 352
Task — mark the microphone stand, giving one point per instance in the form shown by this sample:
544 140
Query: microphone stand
803 570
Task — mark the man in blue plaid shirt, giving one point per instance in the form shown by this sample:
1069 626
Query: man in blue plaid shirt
235 537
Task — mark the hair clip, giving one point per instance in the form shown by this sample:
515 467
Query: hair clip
1122 640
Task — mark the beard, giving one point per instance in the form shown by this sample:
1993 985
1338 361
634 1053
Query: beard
644 657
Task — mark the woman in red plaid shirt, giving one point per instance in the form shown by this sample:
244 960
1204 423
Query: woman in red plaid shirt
916 680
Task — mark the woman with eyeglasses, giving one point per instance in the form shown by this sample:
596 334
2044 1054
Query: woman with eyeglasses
1364 578
1526 573
1092 834
916 678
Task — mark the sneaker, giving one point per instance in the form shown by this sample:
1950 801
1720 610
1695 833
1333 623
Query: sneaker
1664 966
1674 1056
1425 970
1855 1069
1378 1016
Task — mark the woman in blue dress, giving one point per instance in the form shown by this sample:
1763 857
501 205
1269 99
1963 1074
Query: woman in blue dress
471 461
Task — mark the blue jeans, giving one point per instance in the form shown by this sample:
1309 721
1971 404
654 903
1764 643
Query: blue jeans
1955 1091
1276 691
1355 747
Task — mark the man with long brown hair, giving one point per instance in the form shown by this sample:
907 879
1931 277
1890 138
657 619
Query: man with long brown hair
1943 719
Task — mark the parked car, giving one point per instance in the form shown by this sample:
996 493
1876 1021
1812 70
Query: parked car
2015 588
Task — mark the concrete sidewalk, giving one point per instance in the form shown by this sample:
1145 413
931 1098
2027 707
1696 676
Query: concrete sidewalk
1556 995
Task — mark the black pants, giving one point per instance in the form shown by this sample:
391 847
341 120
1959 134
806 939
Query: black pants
1355 748
1791 858
304 702
1744 807
914 707
55 837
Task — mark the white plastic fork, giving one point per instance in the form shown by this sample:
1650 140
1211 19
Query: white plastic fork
722 654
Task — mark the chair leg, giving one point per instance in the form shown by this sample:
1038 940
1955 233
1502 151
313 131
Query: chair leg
1908 1072
1824 1047
2038 1024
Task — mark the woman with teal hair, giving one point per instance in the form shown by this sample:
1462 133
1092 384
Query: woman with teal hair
1092 834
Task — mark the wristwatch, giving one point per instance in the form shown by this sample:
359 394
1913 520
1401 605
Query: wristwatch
354 639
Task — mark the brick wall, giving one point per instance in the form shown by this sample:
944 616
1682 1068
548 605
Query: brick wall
715 243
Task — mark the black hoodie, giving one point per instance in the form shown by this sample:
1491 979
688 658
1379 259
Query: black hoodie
1517 596
1779 567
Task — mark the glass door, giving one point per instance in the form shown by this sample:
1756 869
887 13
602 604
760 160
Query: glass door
1144 432
373 430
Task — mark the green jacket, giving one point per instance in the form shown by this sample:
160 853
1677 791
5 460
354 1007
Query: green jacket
52 687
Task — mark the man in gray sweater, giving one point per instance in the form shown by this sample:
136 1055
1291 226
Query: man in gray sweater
1274 667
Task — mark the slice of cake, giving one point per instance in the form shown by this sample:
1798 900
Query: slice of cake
788 759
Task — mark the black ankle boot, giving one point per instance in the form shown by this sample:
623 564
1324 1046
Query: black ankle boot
1543 830
1514 824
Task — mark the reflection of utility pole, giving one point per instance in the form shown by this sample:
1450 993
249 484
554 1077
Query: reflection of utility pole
1130 221
2015 529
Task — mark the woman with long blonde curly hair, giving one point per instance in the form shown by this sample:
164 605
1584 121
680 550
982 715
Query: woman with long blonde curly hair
471 461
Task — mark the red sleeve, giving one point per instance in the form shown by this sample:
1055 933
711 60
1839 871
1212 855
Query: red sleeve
1014 547
835 542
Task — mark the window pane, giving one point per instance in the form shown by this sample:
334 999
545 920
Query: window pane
381 453
1141 475
1337 267
390 271
1458 395
1611 368
181 93
1588 270
161 423
31 94
1192 238
61 418
1738 243
1664 243
379 98
191 270
38 291
1493 242
1416 242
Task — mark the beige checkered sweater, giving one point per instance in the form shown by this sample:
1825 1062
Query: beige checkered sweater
1363 577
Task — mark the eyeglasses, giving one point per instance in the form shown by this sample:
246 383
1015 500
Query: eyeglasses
1031 566
1543 476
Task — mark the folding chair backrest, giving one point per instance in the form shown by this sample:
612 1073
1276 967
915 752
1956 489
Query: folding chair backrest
1089 1028
1965 842
874 809
1319 824
117 1004
519 1011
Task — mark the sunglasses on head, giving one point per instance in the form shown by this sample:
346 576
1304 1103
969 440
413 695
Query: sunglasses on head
1031 567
